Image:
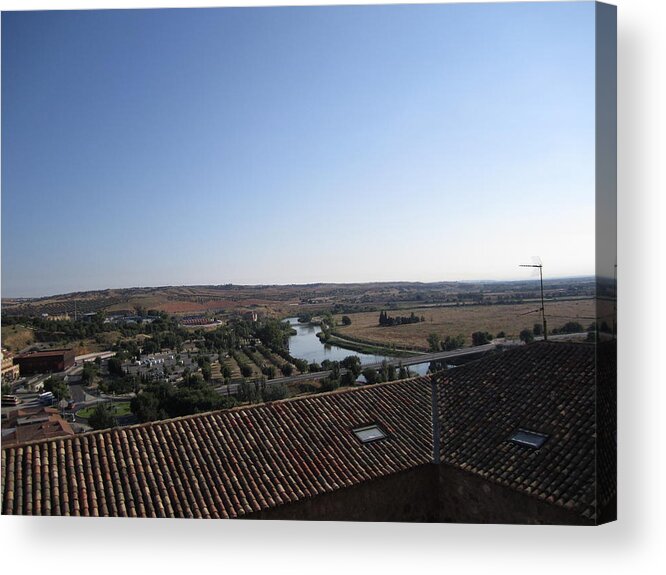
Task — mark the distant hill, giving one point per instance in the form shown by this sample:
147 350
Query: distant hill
289 299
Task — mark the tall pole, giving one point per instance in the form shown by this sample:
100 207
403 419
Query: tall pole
543 307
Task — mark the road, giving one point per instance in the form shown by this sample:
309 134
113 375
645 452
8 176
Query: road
405 361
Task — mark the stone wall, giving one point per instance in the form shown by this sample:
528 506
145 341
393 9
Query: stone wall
468 498
409 496
429 493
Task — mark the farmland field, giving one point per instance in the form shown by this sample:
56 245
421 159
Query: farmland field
463 320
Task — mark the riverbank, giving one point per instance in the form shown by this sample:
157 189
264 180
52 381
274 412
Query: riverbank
364 347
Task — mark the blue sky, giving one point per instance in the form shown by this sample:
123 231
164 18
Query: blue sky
296 145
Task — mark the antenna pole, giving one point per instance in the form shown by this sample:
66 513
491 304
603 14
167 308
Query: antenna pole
543 309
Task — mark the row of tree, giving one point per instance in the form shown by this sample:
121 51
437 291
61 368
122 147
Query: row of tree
386 320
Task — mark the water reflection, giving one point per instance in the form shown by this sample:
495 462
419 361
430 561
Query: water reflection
306 345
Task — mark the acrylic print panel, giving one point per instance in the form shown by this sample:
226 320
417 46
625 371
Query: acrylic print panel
351 263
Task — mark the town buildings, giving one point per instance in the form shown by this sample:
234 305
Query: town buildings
10 371
33 424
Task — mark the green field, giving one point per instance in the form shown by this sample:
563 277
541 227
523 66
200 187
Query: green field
119 409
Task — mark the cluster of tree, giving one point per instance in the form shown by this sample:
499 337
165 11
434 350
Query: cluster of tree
273 333
481 338
387 372
325 334
569 327
57 387
203 361
387 320
259 391
449 343
162 400
526 335
245 367
121 385
164 329
102 416
89 373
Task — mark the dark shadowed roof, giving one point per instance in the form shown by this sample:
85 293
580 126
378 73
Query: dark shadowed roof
543 388
45 353
223 464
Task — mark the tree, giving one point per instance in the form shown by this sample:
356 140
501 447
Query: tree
346 320
225 370
451 343
247 392
572 327
206 371
527 336
146 407
269 371
329 384
348 379
434 342
101 417
537 329
301 365
115 366
274 392
353 364
481 338
384 371
370 375
246 370
88 374
287 369
57 387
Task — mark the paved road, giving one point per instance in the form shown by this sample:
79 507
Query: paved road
405 361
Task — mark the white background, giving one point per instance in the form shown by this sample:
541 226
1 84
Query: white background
636 543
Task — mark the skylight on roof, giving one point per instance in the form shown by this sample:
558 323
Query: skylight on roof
529 438
369 433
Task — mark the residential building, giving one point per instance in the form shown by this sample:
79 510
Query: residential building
10 372
47 361
33 424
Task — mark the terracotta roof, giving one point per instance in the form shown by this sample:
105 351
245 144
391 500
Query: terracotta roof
53 426
546 388
223 464
234 462
33 411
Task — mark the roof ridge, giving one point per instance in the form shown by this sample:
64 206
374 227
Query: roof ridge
235 409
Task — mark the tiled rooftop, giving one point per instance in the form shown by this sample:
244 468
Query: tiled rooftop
223 464
232 463
546 388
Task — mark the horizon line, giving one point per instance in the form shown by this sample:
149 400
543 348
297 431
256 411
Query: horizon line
296 284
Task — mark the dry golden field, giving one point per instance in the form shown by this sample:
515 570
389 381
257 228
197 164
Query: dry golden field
463 320
16 337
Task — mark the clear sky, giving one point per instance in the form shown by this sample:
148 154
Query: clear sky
296 145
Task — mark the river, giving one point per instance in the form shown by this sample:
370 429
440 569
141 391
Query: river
306 345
